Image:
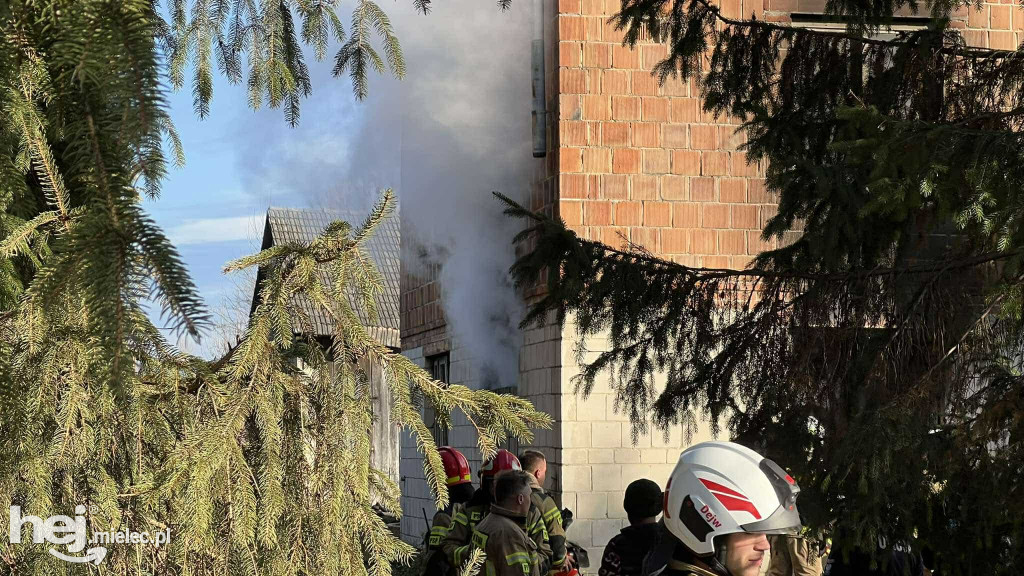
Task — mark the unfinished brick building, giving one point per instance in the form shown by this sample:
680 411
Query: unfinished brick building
630 159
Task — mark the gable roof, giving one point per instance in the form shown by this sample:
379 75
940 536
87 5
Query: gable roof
284 225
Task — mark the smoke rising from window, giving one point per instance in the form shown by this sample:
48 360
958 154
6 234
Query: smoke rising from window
454 130
465 133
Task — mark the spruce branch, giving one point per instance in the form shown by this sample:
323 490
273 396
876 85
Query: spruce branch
473 564
293 417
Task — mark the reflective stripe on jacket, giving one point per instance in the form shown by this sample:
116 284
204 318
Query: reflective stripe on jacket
456 544
440 525
510 552
552 517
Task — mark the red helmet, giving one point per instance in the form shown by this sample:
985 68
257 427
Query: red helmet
456 467
502 460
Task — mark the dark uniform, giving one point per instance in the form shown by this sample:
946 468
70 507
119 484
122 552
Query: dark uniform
624 555
435 562
457 543
552 516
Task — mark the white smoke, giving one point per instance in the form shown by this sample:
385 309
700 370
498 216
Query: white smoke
465 133
454 130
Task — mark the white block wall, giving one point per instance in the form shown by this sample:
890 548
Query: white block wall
591 455
600 458
416 495
538 381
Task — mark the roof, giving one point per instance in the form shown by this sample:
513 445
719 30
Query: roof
284 225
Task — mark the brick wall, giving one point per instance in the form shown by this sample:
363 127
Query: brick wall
422 320
641 162
997 25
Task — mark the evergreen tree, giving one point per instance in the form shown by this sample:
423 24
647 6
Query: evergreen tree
258 462
877 352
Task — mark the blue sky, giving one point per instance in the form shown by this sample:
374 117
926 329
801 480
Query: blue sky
240 161
457 127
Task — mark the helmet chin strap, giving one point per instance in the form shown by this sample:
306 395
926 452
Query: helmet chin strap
717 562
708 565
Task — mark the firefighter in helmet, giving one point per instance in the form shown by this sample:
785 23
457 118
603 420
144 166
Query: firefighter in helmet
459 539
459 481
721 502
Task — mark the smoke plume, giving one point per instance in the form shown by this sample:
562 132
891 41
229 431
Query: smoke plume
454 130
465 133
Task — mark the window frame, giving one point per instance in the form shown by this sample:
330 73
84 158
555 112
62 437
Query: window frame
439 367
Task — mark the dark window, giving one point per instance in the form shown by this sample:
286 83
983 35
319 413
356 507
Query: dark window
438 367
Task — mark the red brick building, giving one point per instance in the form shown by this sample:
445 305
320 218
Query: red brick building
627 159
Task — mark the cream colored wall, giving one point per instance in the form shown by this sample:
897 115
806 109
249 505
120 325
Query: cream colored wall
600 458
538 381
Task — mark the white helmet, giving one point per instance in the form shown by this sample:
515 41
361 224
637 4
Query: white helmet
720 488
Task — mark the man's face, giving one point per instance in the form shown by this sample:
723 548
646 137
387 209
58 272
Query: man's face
744 553
541 472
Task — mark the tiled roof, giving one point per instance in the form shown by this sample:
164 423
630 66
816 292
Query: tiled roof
285 225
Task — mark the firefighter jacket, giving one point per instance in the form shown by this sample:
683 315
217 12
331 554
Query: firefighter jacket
440 525
677 568
456 543
435 562
552 516
510 552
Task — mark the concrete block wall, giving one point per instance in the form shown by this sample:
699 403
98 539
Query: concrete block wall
600 458
416 495
539 381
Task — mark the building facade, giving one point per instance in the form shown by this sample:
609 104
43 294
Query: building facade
627 159
289 225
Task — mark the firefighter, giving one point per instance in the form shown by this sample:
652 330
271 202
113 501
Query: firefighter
721 502
501 535
457 543
536 465
624 554
460 489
